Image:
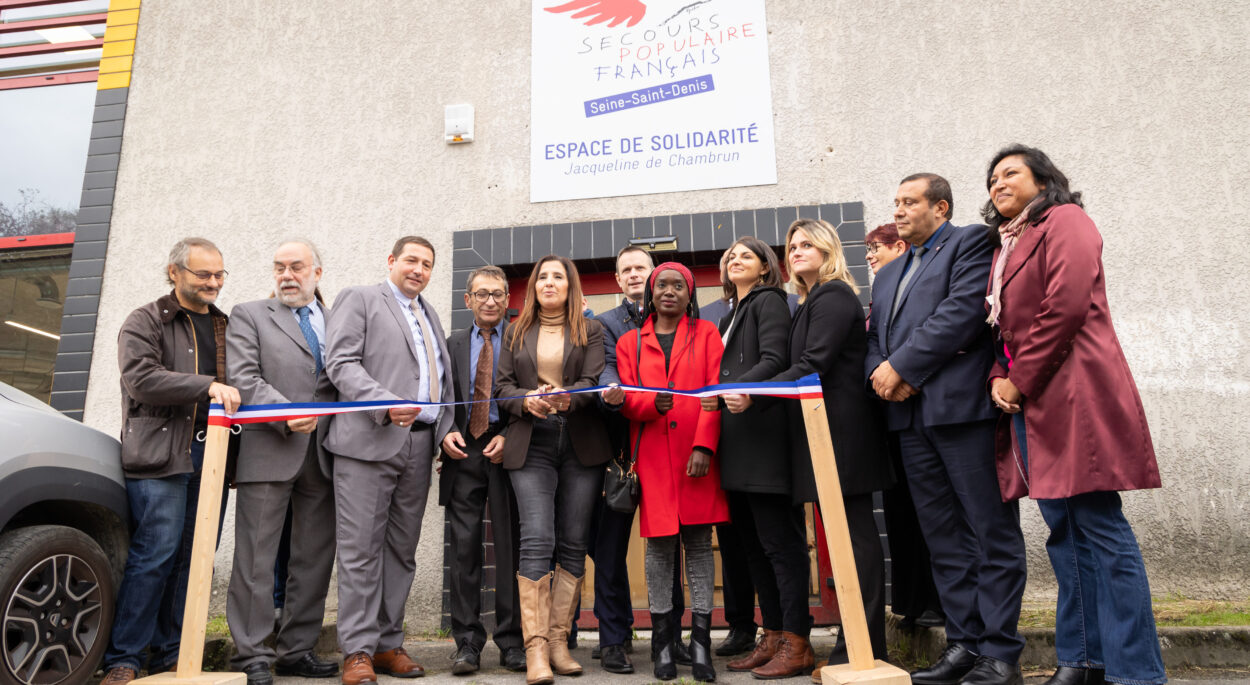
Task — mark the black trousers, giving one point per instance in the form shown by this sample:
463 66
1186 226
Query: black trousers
774 535
479 483
869 566
736 585
911 571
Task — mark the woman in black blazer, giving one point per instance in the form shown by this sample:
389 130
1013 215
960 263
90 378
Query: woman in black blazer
828 337
554 451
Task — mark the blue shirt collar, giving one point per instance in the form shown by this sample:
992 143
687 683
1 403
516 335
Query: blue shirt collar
928 244
477 330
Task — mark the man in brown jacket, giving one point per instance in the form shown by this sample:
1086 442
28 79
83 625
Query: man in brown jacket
172 354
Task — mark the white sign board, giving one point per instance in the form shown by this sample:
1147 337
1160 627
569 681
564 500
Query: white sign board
631 97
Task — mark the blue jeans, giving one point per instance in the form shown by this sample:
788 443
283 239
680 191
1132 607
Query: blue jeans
153 592
1103 618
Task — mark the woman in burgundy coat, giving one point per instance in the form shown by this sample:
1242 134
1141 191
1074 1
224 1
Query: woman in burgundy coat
675 442
1074 433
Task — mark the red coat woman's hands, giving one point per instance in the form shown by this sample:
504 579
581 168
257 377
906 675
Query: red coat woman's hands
698 464
663 402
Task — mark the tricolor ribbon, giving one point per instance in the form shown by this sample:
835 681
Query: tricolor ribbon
807 387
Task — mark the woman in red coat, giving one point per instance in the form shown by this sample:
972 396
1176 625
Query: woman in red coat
1074 433
675 445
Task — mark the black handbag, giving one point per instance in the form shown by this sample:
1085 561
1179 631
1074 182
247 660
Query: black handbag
621 489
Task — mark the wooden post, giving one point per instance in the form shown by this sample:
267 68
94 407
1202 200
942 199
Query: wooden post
200 579
862 668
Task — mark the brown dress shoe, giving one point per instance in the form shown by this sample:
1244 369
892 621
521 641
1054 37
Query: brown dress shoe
119 675
765 648
358 668
396 662
794 657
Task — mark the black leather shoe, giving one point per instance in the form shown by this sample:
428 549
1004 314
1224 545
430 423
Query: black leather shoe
615 660
955 663
512 658
991 671
258 674
1067 675
466 660
598 648
308 666
930 619
739 641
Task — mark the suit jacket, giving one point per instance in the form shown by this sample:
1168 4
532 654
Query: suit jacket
938 340
268 360
459 344
518 374
1084 422
370 355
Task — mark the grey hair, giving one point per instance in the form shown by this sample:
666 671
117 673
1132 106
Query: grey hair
308 244
182 249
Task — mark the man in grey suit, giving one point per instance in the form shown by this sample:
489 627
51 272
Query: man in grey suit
384 343
275 355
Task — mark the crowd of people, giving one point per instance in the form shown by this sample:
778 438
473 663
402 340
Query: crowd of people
964 389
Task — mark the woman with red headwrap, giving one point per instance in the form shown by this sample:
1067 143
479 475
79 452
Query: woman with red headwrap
674 441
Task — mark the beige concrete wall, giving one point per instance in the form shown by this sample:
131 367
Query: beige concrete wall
258 120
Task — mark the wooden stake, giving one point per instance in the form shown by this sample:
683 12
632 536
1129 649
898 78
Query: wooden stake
200 578
862 668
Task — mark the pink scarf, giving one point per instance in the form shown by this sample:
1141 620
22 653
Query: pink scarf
1010 234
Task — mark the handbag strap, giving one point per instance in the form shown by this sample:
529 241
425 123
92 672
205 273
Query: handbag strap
633 457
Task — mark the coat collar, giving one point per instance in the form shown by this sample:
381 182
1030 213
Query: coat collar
284 318
942 239
681 340
1027 245
171 307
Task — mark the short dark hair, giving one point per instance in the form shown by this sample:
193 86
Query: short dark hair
765 255
413 240
1049 178
626 250
489 271
938 189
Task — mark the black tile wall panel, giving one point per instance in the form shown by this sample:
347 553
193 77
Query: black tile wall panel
853 211
583 240
540 242
851 232
766 228
562 239
521 244
644 227
701 229
744 223
604 243
722 230
785 217
501 246
831 213
679 227
82 286
809 212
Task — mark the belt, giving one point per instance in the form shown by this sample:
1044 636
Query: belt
418 426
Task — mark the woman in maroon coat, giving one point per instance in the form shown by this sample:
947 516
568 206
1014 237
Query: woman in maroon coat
675 444
1074 433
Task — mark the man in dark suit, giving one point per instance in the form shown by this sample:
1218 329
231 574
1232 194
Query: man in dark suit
472 476
929 354
275 352
384 343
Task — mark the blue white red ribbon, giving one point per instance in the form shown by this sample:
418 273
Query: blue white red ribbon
807 387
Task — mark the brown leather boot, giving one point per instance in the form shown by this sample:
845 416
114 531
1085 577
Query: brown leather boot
765 648
794 657
396 662
358 668
565 591
535 615
119 675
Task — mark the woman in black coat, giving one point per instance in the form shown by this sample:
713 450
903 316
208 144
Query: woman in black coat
755 460
828 338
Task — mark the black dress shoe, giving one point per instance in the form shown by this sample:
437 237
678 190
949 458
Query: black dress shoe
615 660
598 648
258 674
955 663
739 641
512 658
466 660
930 619
1067 675
991 671
308 666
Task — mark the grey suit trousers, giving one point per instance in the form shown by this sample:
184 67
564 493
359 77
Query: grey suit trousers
379 508
260 510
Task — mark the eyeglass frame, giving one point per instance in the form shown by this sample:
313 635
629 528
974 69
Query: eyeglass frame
206 276
484 295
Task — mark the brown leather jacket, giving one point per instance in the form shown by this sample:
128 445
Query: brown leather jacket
161 387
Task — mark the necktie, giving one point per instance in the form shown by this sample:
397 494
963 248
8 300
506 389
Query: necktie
479 416
917 253
430 355
305 327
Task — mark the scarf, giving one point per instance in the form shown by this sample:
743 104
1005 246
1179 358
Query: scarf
1010 234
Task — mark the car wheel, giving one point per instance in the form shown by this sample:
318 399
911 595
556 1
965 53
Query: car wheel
57 599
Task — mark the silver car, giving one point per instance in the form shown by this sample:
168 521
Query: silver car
63 540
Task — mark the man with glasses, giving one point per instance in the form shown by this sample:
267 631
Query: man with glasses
276 355
172 355
473 477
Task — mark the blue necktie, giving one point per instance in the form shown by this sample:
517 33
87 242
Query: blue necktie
305 327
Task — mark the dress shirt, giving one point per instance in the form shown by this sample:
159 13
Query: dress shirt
428 414
475 351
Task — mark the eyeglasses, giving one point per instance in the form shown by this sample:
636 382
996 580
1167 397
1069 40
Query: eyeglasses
873 247
206 275
297 268
484 295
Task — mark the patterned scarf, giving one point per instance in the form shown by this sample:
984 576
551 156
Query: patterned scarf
1010 235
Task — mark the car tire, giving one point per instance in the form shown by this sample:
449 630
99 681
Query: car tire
56 603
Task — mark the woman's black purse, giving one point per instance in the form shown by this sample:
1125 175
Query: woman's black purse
621 490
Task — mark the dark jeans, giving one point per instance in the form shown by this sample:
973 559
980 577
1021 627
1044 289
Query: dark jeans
774 535
1103 617
555 497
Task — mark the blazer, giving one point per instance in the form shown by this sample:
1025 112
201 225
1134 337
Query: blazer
518 374
459 344
938 340
1084 422
370 355
268 360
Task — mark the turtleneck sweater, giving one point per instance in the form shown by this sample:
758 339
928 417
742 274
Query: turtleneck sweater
551 349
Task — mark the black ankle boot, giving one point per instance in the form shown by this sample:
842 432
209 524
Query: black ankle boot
701 648
664 667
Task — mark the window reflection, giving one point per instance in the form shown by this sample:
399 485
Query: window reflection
32 296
